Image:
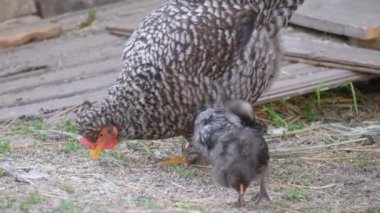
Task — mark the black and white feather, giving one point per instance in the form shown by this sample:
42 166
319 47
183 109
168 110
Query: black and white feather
186 54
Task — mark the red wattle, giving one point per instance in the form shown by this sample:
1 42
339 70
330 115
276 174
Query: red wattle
87 143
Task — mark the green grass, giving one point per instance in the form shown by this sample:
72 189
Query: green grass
318 92
373 210
293 172
293 194
334 91
327 210
118 155
2 173
71 146
364 161
33 129
30 200
65 187
5 146
354 98
147 202
67 126
309 111
91 17
186 172
276 119
279 203
207 181
139 146
186 205
66 206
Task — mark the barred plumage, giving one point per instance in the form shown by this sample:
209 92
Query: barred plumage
184 55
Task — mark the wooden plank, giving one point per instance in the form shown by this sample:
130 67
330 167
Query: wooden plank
59 76
338 17
15 8
282 89
333 55
46 92
47 8
294 83
37 109
63 52
125 11
315 52
23 30
371 44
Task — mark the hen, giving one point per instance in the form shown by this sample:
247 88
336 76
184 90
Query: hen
184 55
238 154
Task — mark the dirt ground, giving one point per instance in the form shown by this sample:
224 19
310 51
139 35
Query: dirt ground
321 166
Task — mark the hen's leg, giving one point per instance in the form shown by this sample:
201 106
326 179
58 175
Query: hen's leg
192 156
189 156
175 160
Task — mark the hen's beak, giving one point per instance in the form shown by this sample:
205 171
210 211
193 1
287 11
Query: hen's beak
107 140
99 147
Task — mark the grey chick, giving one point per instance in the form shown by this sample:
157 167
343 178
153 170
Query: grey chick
239 154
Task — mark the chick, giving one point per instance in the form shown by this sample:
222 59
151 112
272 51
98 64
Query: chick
238 154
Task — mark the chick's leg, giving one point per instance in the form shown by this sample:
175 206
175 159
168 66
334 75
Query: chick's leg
240 201
262 193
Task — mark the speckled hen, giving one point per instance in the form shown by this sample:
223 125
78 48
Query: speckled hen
184 55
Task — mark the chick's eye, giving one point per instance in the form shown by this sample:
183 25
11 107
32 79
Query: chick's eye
101 135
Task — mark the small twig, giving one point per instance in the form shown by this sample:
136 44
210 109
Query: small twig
315 187
43 143
201 166
48 194
282 208
175 184
68 134
146 148
8 171
7 125
359 150
102 178
323 159
318 147
203 200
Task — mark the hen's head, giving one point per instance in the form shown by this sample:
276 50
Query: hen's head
97 132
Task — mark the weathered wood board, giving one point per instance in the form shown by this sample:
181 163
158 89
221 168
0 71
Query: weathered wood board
67 51
371 44
55 74
333 55
26 29
352 18
324 53
15 8
48 8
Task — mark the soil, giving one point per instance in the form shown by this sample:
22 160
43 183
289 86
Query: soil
307 174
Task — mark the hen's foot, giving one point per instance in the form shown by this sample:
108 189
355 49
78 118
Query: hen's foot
191 155
176 160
